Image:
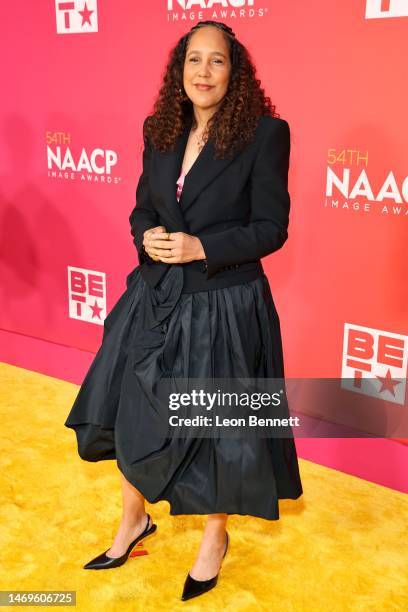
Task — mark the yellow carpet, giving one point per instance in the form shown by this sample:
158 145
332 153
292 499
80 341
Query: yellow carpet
342 546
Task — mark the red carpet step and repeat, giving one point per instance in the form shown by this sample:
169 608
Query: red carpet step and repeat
80 76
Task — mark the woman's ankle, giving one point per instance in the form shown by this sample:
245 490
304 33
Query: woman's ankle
132 520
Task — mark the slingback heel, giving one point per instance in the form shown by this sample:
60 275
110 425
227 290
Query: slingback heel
103 561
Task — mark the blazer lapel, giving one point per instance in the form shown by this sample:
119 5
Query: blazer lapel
166 170
202 172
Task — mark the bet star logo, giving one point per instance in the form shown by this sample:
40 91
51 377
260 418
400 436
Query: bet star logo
87 295
375 362
76 16
377 9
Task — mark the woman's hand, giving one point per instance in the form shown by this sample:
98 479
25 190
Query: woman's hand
174 247
147 236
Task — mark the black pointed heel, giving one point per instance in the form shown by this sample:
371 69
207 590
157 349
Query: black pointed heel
193 587
103 561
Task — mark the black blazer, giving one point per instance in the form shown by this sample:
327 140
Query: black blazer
238 207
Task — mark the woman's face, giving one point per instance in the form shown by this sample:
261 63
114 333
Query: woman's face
207 62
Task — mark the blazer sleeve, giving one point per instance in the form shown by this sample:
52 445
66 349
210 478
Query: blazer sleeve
143 216
266 231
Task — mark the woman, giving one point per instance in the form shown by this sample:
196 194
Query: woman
211 201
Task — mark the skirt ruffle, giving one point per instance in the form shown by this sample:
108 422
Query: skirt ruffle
151 334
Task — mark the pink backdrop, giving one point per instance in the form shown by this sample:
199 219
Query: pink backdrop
78 80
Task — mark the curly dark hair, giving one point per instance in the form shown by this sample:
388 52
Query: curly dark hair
232 126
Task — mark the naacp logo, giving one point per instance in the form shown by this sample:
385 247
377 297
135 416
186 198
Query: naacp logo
76 16
187 5
96 165
217 9
389 192
348 191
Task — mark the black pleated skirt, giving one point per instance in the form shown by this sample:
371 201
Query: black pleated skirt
158 333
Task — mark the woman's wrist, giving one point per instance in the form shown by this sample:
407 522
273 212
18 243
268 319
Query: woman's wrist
200 249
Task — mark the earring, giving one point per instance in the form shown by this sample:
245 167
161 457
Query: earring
182 95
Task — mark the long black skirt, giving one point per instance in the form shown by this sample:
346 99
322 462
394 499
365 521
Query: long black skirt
151 334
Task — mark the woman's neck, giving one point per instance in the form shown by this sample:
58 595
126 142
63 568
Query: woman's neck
201 117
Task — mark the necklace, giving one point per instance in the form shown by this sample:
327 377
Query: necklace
200 141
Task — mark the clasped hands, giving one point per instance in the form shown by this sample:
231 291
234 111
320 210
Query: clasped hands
172 247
